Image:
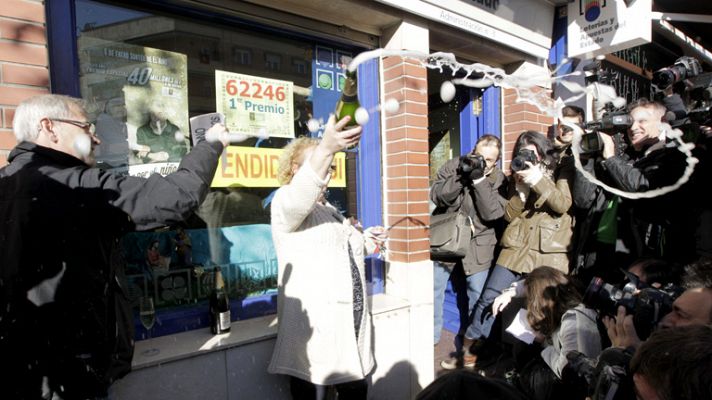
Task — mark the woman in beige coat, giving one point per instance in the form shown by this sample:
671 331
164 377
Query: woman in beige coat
540 224
324 335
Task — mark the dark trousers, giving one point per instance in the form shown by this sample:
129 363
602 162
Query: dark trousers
303 390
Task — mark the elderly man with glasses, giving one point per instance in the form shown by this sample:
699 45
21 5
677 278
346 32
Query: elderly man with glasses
66 327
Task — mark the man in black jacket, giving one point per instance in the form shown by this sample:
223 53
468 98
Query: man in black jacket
481 193
662 226
66 327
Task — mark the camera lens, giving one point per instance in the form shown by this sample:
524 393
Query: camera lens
602 296
518 164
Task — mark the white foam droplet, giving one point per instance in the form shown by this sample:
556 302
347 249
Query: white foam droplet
361 116
447 91
313 125
179 136
391 106
82 144
262 133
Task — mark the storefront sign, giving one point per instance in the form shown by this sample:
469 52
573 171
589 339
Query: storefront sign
255 106
502 21
141 100
605 26
257 167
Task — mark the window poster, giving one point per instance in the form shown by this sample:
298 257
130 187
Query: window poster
140 105
254 105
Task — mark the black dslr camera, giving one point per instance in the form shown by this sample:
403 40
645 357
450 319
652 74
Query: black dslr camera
472 162
519 163
648 305
683 68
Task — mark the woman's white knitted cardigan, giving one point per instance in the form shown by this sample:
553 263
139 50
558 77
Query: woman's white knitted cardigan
316 339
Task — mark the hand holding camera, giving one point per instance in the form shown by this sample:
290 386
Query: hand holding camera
472 167
621 330
525 159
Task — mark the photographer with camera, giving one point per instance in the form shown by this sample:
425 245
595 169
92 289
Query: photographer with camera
560 323
638 311
540 224
597 217
474 184
657 228
571 115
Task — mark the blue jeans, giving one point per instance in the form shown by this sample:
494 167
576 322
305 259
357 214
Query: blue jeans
499 279
441 275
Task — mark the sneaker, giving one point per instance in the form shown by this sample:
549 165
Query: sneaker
467 360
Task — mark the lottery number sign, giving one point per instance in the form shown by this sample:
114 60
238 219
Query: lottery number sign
254 105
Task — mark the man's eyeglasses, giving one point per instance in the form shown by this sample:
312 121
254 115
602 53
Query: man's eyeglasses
87 126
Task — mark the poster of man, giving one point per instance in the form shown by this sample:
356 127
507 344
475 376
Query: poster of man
145 104
159 139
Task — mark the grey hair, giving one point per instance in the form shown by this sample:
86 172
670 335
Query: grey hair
31 111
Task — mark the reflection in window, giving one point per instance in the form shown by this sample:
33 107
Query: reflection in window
299 66
273 61
241 56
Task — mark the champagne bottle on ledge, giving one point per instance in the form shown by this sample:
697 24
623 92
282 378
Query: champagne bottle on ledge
348 103
219 306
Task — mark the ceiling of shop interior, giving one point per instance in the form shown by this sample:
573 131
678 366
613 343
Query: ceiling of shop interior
700 32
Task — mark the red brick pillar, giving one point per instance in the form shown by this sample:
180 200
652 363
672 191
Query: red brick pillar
24 65
519 117
406 165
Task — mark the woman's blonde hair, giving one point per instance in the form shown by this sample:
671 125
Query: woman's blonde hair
293 153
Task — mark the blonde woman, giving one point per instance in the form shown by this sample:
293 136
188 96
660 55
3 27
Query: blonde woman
324 335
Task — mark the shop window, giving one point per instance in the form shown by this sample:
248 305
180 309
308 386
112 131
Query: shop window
145 72
273 61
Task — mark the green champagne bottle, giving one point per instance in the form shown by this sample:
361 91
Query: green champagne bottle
348 103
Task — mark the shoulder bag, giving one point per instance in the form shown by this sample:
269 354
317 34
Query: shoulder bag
450 235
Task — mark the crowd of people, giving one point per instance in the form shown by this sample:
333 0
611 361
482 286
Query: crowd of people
578 292
585 282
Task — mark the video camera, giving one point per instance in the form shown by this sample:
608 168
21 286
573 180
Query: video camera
519 163
648 305
683 68
471 162
612 123
701 98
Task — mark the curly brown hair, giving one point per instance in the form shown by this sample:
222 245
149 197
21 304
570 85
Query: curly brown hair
549 295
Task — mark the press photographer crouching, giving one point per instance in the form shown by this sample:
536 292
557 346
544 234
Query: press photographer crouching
609 377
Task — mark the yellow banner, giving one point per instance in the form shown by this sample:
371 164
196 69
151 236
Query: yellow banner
257 167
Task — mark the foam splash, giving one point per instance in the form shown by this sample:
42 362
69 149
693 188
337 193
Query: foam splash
527 88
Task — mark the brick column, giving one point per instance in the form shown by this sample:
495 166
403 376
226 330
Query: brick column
24 63
406 150
519 117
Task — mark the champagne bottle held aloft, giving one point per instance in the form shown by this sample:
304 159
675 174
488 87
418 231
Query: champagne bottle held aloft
219 306
348 103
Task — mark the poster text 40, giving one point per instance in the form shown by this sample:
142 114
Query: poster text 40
254 90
